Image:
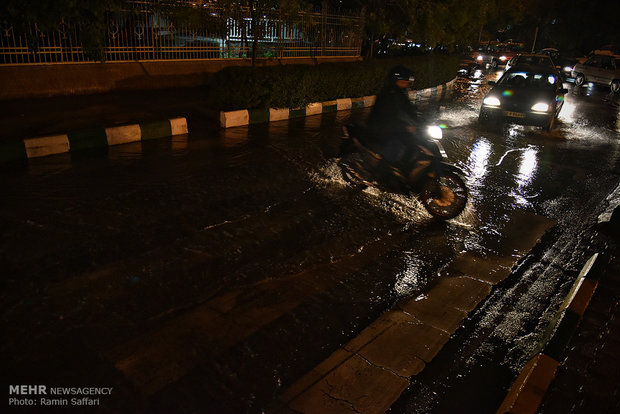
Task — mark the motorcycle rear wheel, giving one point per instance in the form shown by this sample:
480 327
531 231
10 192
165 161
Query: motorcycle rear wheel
444 197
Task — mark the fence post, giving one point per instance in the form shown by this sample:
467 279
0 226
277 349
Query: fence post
323 26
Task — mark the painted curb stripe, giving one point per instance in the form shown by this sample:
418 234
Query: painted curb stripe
123 134
357 103
369 100
343 104
13 151
234 118
329 106
582 299
87 139
278 114
153 130
525 395
254 116
178 126
314 109
585 271
297 113
92 138
258 116
568 323
527 391
41 147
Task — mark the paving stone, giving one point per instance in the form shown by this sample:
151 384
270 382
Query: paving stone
314 376
492 269
523 230
404 347
434 312
356 386
461 292
378 327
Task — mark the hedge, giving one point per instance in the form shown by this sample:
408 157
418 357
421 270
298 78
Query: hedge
293 86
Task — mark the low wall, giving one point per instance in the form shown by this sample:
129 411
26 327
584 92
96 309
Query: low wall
47 80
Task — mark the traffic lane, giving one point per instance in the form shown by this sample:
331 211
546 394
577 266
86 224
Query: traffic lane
566 175
267 230
356 299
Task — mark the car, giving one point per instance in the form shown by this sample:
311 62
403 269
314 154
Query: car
528 96
466 66
562 63
599 69
530 59
495 54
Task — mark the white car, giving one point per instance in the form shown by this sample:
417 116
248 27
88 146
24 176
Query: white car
599 69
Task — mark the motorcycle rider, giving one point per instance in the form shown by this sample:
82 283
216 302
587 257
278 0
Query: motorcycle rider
392 125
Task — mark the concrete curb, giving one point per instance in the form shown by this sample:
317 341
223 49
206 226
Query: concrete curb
530 387
89 139
229 119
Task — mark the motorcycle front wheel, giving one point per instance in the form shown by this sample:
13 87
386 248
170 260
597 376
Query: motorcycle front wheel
444 197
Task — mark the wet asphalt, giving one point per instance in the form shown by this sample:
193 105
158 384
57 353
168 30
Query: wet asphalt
213 270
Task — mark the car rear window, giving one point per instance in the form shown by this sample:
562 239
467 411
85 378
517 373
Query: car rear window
534 80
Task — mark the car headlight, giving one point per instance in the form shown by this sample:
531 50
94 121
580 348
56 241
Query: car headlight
503 58
434 131
491 101
540 107
568 69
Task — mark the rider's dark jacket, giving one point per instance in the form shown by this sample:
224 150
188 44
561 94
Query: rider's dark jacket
388 123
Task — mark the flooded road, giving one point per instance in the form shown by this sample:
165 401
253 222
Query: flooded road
218 268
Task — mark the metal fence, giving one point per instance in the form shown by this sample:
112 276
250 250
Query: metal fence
149 34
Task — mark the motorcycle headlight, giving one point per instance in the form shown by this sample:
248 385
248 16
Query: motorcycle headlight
540 107
491 101
479 57
434 132
503 58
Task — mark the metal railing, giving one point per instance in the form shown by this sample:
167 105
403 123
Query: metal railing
148 34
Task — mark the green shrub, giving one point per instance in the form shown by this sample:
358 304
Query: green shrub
293 86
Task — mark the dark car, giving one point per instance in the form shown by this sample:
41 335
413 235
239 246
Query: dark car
530 59
494 54
532 96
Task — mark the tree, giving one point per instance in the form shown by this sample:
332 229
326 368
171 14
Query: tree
432 22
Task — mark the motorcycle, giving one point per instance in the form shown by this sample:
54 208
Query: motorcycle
437 183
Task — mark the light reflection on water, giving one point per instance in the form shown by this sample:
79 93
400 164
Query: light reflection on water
409 280
478 163
527 170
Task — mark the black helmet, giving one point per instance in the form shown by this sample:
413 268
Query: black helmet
399 73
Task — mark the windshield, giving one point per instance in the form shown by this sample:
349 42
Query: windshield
535 60
523 79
